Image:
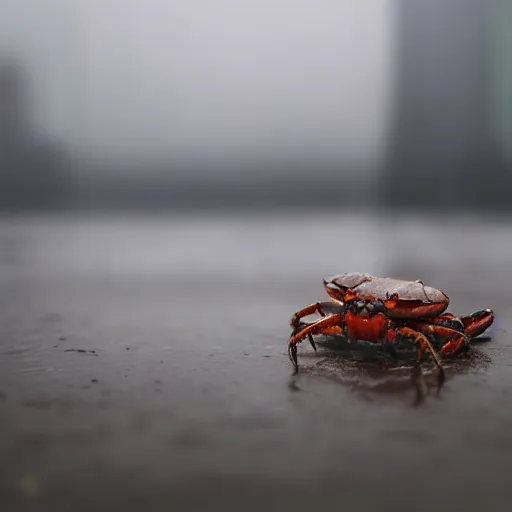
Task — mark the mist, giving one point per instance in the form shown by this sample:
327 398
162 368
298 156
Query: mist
280 103
178 179
225 82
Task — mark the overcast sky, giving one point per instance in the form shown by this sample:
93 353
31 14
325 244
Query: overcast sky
174 78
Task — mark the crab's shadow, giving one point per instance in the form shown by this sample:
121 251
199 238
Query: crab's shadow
373 375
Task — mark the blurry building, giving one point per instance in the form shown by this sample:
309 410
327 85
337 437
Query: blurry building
30 169
445 148
501 67
13 119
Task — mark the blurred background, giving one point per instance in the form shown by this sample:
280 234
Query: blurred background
176 178
174 105
395 111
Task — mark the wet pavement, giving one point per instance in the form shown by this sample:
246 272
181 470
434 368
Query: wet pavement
143 366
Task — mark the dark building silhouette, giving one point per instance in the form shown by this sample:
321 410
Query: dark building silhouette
13 119
443 150
30 169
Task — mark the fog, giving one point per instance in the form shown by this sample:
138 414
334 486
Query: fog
328 103
224 80
177 178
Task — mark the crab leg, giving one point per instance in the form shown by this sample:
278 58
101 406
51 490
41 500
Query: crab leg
454 340
324 325
422 344
308 310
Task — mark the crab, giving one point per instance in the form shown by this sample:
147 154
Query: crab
384 310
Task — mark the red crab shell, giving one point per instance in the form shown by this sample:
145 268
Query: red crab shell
414 299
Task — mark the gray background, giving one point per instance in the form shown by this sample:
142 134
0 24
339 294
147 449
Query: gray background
176 178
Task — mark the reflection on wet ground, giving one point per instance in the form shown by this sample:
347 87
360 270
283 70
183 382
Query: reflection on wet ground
143 366
370 372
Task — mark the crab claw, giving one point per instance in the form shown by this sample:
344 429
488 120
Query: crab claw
478 322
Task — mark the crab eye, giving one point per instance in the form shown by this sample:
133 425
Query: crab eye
360 304
370 307
379 305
